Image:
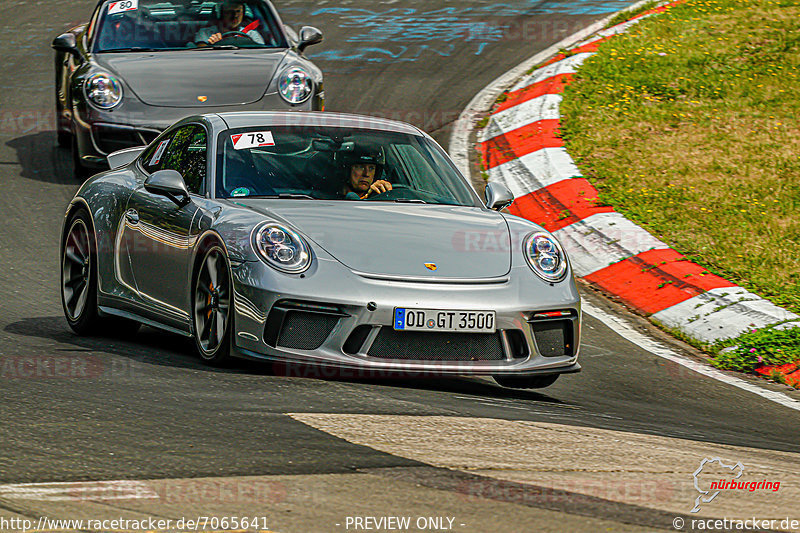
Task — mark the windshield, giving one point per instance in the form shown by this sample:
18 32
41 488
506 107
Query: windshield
151 25
337 164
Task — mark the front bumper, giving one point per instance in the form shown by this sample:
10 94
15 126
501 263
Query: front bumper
347 325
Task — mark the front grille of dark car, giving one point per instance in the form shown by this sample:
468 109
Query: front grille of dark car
109 138
436 346
300 325
554 337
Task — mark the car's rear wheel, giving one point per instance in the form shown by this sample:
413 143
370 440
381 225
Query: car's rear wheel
79 275
211 308
527 382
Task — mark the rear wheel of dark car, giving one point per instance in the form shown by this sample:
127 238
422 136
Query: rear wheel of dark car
527 382
79 275
211 306
79 282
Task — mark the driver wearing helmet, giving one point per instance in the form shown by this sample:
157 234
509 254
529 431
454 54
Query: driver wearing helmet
232 20
361 167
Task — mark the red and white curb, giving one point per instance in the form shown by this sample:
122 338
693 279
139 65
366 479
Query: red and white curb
522 150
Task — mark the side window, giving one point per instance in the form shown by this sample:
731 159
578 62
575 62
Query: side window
153 157
184 151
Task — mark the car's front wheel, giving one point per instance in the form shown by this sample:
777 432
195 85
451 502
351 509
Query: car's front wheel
526 382
211 308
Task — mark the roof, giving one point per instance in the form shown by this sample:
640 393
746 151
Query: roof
243 119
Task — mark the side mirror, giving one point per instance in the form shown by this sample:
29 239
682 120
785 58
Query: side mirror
168 183
308 35
66 43
120 158
498 196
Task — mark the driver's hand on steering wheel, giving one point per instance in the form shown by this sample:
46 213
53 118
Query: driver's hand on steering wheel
379 187
217 37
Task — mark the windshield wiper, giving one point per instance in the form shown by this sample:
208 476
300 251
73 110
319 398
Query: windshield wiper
286 196
409 201
215 47
133 49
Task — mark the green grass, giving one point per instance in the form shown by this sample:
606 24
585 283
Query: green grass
766 347
688 125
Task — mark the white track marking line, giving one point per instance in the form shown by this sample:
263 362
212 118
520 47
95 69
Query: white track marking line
79 491
624 330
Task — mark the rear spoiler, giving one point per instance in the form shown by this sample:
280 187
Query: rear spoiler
120 158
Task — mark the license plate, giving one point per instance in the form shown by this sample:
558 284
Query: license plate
443 320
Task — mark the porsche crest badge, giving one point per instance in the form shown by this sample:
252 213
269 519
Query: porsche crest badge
431 266
202 98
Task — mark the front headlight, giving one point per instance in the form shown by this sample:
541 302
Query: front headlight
295 85
545 256
103 90
282 248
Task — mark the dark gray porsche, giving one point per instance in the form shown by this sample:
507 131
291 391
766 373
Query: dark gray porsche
139 65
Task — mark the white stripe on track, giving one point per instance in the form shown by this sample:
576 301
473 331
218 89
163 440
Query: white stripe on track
603 239
722 313
543 107
535 171
79 491
628 332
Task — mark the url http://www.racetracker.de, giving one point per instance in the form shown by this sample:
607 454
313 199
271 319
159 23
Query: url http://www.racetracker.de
733 524
199 523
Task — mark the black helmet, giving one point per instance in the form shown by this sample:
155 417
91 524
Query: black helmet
352 153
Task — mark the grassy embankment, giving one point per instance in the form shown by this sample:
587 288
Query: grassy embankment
689 125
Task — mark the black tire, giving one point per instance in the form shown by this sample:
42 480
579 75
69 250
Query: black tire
64 139
79 170
527 382
79 274
212 299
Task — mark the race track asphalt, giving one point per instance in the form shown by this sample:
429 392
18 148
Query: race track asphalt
147 409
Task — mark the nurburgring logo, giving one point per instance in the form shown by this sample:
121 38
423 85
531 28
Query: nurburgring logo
737 469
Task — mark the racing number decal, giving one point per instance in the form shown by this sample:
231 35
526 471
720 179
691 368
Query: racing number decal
122 6
254 139
159 152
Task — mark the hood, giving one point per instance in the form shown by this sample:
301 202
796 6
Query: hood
178 78
398 240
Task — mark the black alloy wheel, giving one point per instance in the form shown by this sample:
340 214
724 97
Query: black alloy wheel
79 275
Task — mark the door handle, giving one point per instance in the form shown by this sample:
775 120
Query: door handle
132 216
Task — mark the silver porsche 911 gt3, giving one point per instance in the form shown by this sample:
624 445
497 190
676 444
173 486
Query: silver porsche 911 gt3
319 239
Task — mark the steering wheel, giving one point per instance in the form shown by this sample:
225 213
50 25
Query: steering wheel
398 191
234 36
